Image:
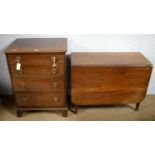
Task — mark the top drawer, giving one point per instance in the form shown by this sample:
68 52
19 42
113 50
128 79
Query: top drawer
35 59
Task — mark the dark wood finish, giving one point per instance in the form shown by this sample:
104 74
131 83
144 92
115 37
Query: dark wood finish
19 113
65 113
109 78
38 45
73 108
39 85
40 100
137 106
107 59
109 85
35 58
38 71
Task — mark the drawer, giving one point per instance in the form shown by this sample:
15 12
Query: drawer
40 100
35 59
39 85
37 71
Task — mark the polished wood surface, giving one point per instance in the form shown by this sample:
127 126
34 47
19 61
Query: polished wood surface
38 45
100 98
37 65
109 59
36 59
40 100
115 80
41 81
106 79
39 85
39 71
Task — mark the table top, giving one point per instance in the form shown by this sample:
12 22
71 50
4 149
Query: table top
29 45
109 59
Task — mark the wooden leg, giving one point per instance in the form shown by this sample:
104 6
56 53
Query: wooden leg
137 107
74 109
19 113
65 113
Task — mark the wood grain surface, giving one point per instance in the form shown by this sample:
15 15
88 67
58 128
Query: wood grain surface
38 45
109 78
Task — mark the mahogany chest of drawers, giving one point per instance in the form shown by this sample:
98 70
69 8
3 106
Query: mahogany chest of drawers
38 72
109 78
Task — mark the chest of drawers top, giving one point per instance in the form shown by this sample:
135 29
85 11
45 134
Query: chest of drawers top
111 59
38 45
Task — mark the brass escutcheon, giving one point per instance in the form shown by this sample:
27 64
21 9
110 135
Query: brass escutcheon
54 70
53 61
22 85
25 99
55 99
54 85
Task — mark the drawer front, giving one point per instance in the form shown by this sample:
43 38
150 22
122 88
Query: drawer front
40 100
109 79
35 59
37 71
38 85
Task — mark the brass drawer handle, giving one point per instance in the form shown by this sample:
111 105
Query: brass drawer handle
18 59
18 65
54 85
54 65
54 70
55 99
25 99
19 71
22 85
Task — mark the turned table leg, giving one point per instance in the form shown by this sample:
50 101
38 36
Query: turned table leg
137 107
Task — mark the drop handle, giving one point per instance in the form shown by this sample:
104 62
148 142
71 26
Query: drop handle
54 65
22 86
55 99
25 99
54 70
18 64
54 85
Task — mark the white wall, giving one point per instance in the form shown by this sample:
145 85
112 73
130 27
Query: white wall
79 43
